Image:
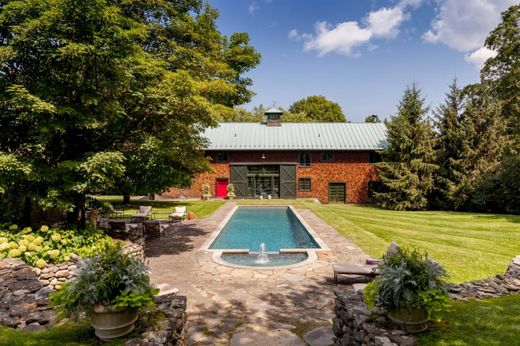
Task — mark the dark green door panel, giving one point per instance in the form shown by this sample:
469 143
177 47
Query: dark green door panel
238 177
288 181
337 192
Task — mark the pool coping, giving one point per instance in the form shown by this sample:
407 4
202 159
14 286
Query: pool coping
311 252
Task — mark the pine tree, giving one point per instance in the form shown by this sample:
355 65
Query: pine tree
449 143
408 161
484 143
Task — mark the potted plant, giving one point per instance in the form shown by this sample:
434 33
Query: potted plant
231 191
110 288
206 194
411 288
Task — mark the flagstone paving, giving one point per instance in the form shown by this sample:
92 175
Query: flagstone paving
246 306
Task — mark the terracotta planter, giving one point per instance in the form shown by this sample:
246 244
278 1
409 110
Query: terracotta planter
111 323
410 320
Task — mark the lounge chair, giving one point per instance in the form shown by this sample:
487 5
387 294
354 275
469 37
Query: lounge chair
180 214
355 273
145 212
152 229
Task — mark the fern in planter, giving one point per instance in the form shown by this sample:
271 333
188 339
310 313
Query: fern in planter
409 281
111 279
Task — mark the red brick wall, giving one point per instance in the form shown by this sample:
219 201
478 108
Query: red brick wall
350 167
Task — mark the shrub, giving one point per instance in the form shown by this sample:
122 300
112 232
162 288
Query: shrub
206 194
45 245
111 278
231 191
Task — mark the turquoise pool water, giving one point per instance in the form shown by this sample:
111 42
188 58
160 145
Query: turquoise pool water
276 227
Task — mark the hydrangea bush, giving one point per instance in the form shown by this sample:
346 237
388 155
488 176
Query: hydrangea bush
45 245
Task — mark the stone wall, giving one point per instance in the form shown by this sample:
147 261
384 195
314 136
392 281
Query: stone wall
171 329
354 324
55 275
495 286
23 299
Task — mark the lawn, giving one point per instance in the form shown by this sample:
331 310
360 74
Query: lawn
69 334
469 245
161 209
478 323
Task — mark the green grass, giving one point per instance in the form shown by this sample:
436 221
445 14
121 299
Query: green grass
69 334
161 209
469 245
478 323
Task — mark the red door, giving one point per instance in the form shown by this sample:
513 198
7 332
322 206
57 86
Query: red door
221 185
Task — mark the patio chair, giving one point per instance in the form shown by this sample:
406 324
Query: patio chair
355 273
145 212
180 214
152 229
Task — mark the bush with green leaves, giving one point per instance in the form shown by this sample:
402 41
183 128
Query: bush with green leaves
49 245
206 194
112 278
409 280
231 191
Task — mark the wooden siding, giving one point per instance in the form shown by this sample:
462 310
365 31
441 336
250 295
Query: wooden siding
350 167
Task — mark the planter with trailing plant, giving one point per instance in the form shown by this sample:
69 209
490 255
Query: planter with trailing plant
411 288
111 288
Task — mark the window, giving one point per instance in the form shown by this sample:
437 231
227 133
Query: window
305 159
374 186
327 156
221 157
374 157
304 184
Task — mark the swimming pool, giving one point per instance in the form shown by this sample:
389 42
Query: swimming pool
276 227
264 238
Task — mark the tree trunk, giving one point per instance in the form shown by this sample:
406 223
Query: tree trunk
27 211
77 216
126 199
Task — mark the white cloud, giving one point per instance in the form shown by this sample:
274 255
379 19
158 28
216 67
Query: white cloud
345 37
464 24
479 56
253 7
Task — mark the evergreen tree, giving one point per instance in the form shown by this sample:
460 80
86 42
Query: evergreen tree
449 144
408 161
484 144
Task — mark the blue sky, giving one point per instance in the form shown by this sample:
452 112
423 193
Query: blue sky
361 53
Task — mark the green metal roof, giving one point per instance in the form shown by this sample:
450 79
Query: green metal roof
274 110
297 136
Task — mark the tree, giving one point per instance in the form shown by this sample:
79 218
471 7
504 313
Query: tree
373 118
502 72
100 96
318 108
241 115
449 147
408 161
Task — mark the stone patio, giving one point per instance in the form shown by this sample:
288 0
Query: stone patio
246 306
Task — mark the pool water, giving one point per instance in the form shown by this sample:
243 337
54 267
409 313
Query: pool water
276 227
275 259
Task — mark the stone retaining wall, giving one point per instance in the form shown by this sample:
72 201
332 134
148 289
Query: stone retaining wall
23 299
495 286
170 330
354 324
55 275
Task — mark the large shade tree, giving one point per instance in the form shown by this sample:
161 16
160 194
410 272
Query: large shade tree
317 108
111 95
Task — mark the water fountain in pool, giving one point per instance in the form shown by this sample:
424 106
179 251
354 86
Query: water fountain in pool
262 258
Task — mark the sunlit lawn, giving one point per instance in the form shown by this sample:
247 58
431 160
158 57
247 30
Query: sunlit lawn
161 209
478 323
469 245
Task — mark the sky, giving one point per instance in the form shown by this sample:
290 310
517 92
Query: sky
361 53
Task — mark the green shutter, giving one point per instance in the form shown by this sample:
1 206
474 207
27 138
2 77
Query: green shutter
238 175
288 181
337 193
